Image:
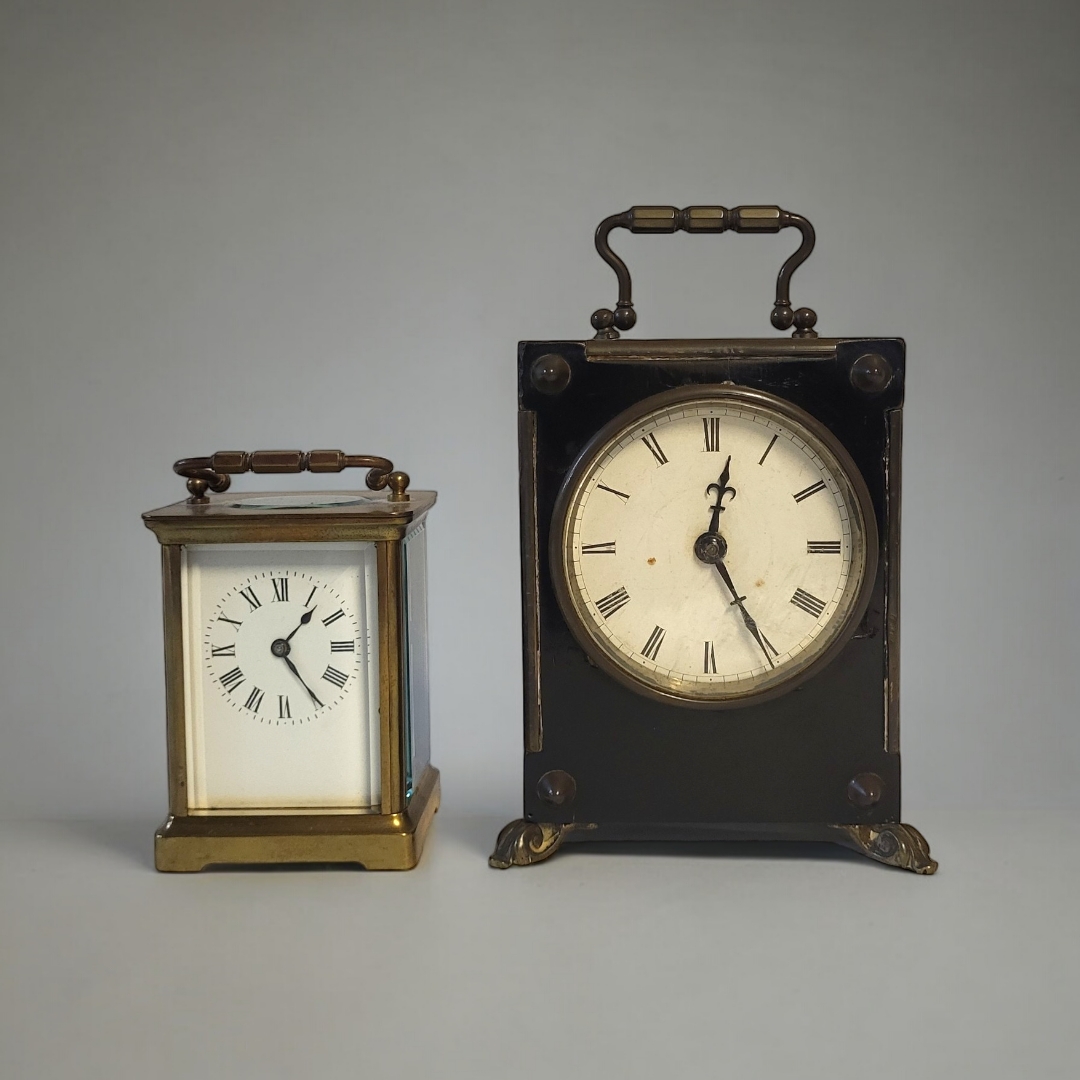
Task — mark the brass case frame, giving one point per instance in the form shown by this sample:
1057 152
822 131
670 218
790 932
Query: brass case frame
390 839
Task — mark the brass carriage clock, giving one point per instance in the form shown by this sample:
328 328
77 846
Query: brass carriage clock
710 572
295 667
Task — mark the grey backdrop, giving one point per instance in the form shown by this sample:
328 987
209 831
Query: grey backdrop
249 225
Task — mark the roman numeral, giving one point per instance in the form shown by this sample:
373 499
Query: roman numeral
599 549
333 618
249 595
283 707
332 675
712 434
608 605
622 494
223 618
822 547
710 658
772 442
222 650
652 646
232 679
343 646
254 699
281 588
808 602
813 489
654 448
310 595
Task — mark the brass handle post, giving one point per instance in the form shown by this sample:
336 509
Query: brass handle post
705 219
215 472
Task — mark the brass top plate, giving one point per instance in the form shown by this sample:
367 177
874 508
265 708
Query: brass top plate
629 349
234 517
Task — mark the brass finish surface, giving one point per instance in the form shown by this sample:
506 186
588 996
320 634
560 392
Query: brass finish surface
284 530
522 843
704 219
175 693
214 472
530 582
374 841
220 522
389 839
551 374
897 845
557 787
871 373
391 674
624 350
558 552
893 449
525 843
865 790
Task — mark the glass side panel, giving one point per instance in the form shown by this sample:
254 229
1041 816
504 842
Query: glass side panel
417 702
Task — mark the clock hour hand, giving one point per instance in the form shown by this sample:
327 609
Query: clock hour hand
765 644
304 620
721 488
292 668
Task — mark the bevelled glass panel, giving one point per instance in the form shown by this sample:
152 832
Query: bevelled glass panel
417 700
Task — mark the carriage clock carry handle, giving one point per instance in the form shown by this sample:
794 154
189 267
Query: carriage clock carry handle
704 219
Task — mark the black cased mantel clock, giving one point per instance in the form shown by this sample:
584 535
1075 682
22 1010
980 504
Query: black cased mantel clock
710 579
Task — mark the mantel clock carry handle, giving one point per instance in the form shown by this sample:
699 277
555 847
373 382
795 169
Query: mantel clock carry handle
214 472
704 219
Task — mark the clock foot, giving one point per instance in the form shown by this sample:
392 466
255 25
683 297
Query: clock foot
894 844
522 843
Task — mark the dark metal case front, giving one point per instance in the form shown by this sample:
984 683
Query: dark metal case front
644 768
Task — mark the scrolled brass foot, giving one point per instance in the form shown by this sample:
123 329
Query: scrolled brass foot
522 843
894 844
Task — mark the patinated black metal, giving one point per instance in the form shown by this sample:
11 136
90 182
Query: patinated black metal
647 770
604 762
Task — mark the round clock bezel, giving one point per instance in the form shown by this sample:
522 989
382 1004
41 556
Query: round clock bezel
846 473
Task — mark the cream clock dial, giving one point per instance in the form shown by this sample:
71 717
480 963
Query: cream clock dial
281 644
713 546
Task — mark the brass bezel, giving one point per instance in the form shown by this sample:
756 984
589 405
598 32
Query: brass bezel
558 557
391 838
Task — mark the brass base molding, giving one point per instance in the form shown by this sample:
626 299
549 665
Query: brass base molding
897 845
193 842
522 843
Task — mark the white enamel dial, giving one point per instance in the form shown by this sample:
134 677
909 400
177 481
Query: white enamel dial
282 675
782 555
281 645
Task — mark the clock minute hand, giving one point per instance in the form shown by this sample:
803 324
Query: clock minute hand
748 619
292 668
